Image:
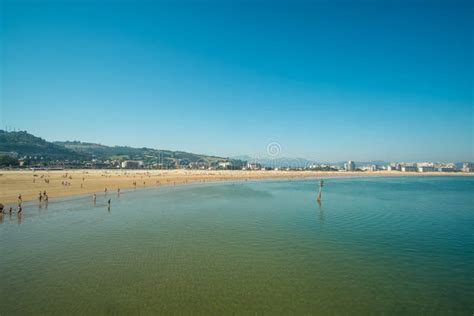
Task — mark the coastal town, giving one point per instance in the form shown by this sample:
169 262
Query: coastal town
30 164
39 163
20 150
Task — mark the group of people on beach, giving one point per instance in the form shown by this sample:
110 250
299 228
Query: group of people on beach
43 197
3 210
94 197
19 208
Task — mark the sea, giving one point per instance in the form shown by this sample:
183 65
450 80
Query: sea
373 245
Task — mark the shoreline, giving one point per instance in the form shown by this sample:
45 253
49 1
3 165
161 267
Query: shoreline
77 182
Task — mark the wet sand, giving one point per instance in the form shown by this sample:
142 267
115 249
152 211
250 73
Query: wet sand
29 183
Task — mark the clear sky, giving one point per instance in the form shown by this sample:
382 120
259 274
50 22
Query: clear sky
327 80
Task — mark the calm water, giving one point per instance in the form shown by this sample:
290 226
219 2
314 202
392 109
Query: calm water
375 245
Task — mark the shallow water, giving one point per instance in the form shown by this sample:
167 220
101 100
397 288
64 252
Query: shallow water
374 245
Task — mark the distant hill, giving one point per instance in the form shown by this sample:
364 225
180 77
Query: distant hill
25 144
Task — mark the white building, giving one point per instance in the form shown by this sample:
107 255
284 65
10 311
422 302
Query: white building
468 167
446 169
254 166
392 168
224 164
426 169
132 164
373 168
349 166
409 169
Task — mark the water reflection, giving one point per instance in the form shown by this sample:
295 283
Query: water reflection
42 205
321 211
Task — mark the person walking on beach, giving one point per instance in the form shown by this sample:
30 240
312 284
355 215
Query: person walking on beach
19 198
40 197
20 209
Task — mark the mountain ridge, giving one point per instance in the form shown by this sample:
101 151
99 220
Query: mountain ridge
23 144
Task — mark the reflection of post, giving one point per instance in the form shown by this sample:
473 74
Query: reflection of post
321 184
321 212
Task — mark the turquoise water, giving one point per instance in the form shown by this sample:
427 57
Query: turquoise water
374 245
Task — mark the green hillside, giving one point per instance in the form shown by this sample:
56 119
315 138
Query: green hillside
23 144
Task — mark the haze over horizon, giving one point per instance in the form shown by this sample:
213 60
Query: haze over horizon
325 81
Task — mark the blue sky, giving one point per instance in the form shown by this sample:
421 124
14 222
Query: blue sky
327 80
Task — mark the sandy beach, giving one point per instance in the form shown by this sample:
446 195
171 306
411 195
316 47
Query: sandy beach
61 183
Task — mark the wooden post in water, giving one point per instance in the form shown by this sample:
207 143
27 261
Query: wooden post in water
321 184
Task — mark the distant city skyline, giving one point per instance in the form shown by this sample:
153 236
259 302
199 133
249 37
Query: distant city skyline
349 80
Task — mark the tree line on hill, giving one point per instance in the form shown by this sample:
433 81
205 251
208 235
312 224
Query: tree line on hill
16 147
